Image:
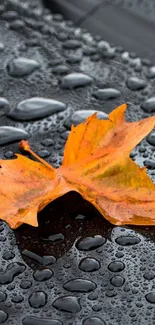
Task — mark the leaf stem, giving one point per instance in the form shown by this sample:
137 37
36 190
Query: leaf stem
24 145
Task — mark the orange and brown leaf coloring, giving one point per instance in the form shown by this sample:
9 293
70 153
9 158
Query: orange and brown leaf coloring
96 164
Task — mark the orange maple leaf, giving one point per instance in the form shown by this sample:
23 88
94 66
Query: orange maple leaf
96 164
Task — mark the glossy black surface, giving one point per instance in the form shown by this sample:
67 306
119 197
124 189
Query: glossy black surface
75 268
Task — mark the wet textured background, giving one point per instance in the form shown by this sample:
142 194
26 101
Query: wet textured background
75 268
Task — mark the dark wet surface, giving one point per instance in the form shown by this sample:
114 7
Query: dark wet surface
75 268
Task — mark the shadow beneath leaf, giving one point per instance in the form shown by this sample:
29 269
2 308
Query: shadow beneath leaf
60 224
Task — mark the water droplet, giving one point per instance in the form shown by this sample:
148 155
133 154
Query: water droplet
10 15
151 139
80 285
68 303
149 275
45 260
89 50
127 240
150 164
60 69
36 107
117 280
55 61
38 299
8 255
44 153
93 321
73 58
107 93
111 293
149 105
71 44
96 307
80 217
9 154
47 142
9 134
3 316
1 46
65 135
42 274
116 266
146 62
10 272
54 237
150 297
26 284
90 243
135 83
80 116
151 73
74 80
93 296
89 264
3 296
4 106
21 66
32 320
17 299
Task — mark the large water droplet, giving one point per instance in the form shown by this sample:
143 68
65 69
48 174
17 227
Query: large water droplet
21 66
127 240
89 264
68 303
150 297
2 296
90 243
9 134
42 274
32 320
117 280
80 116
149 105
36 107
93 321
135 83
38 299
3 316
80 285
107 93
116 266
74 80
10 272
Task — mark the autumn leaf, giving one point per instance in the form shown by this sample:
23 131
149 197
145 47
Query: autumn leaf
96 164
